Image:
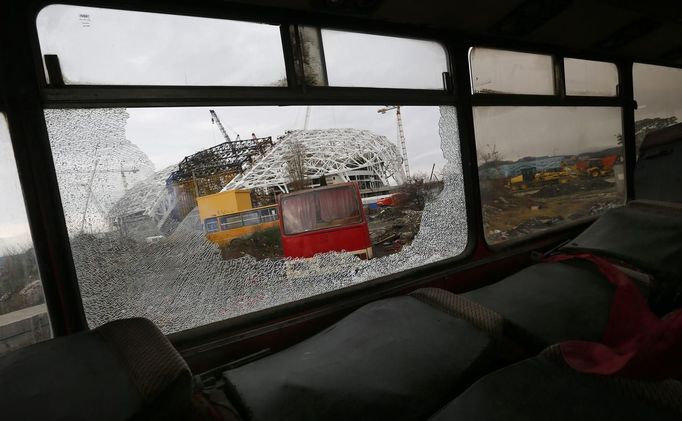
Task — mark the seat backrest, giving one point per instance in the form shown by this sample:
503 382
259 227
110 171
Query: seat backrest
658 173
123 370
644 235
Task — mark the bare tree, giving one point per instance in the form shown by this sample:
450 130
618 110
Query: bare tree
489 155
295 160
492 181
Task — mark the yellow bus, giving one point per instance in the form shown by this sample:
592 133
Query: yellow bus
225 228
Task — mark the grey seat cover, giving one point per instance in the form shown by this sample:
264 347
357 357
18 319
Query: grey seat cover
394 359
123 370
657 172
647 236
539 389
549 303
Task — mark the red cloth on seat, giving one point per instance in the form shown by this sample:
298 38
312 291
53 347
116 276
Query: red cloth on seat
636 343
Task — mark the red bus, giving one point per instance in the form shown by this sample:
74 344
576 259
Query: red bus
324 219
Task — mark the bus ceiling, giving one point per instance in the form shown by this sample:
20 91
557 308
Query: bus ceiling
642 31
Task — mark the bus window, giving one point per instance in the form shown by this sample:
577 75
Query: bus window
658 92
591 78
211 225
23 314
231 222
324 220
511 72
132 195
319 210
267 215
364 60
115 47
251 218
540 167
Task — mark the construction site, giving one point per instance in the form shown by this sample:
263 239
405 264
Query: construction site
213 188
153 254
534 194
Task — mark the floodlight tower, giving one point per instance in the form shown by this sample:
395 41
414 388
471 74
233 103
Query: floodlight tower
401 135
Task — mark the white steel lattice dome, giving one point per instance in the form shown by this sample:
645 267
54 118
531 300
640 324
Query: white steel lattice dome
327 152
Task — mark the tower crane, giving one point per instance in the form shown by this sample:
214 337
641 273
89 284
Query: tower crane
401 135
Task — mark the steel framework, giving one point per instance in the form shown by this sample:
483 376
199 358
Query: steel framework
148 198
326 152
236 155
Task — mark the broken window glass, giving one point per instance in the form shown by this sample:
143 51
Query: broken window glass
118 47
540 167
658 92
139 185
23 314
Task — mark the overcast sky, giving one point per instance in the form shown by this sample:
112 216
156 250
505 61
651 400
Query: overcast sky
110 47
167 135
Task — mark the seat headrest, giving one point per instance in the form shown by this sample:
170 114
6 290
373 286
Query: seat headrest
661 137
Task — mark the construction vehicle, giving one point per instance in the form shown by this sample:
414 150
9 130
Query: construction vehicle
530 177
596 167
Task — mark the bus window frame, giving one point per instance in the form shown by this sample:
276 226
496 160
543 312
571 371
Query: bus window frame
26 94
623 100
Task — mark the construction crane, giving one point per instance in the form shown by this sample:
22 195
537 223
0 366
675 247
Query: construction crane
216 120
307 117
401 135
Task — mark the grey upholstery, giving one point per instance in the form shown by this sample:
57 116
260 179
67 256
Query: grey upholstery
549 303
393 359
657 172
123 370
544 388
644 235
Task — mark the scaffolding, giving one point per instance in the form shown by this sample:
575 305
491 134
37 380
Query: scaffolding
208 171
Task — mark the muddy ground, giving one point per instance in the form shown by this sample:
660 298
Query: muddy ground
510 214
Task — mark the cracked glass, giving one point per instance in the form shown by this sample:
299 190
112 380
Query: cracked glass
175 214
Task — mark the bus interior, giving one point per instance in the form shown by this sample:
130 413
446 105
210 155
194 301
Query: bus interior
446 210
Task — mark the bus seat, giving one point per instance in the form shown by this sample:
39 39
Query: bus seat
123 370
551 302
547 303
544 387
657 172
643 235
400 358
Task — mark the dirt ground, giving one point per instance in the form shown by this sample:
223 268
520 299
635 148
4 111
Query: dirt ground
511 215
392 228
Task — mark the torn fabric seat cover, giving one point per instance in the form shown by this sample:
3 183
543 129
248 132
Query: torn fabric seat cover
397 359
